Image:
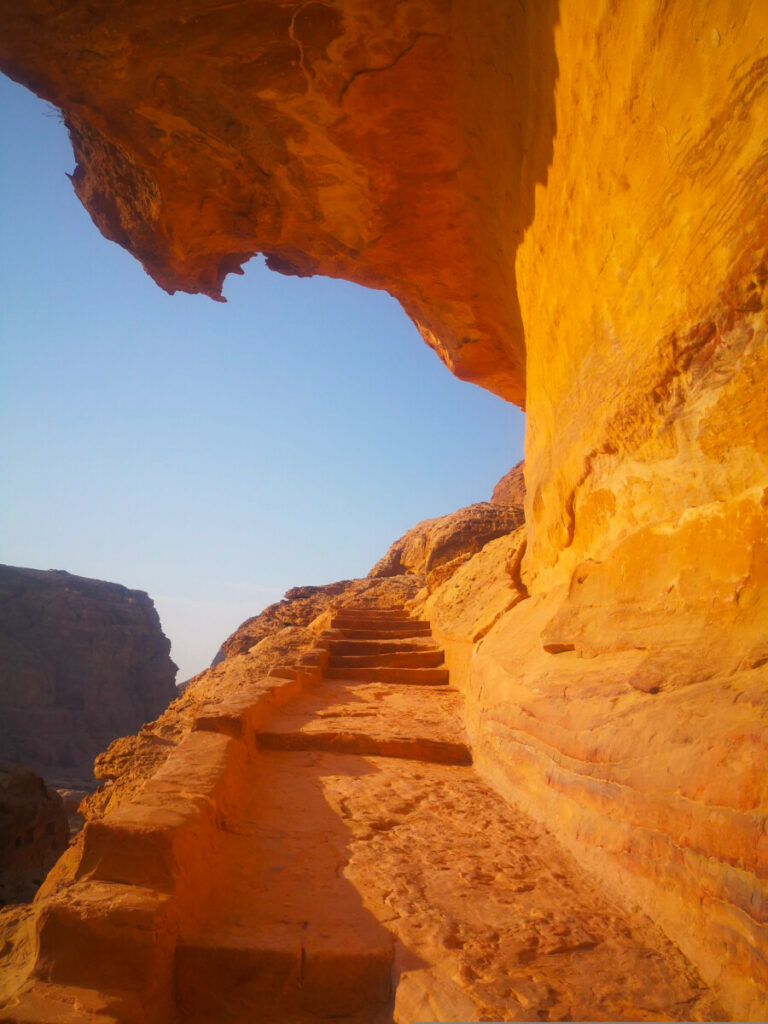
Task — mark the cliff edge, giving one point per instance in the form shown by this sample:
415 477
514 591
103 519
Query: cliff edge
81 662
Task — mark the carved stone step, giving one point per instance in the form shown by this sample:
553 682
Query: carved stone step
402 632
411 676
394 659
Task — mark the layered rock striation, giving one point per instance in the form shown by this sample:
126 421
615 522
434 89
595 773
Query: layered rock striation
81 662
569 199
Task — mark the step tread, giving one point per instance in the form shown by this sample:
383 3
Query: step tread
390 646
412 676
397 720
375 634
394 659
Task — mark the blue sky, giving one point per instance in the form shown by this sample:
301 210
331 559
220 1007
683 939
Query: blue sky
211 454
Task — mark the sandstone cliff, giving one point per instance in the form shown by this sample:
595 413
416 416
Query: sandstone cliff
81 662
569 198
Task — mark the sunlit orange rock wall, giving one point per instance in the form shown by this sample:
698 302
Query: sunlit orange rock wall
627 700
574 192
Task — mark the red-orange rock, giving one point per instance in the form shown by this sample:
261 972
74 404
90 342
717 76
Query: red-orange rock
303 604
510 490
437 547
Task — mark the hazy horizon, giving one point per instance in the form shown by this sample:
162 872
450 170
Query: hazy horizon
213 455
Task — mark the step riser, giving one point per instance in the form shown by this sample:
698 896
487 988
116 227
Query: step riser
379 634
402 659
376 613
414 676
378 616
432 751
229 986
367 648
383 627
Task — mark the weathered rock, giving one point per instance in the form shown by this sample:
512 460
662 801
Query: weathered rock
81 661
437 547
510 490
286 119
33 833
642 734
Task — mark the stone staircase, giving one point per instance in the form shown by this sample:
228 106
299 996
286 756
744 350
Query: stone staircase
373 876
383 646
319 848
293 940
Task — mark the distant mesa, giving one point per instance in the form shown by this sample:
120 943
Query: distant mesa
81 662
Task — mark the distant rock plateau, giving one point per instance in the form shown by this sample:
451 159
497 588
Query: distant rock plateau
81 662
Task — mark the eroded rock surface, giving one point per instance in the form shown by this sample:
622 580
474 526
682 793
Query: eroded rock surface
437 547
81 661
510 490
276 125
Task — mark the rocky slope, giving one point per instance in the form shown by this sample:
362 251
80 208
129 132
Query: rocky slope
570 200
81 662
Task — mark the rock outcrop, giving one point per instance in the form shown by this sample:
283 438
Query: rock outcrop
569 198
435 548
81 662
510 490
33 833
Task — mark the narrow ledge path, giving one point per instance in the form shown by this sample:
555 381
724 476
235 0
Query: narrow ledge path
372 875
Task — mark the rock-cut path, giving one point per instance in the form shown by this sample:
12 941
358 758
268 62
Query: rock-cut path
373 874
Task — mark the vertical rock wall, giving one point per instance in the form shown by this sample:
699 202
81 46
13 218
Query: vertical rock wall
81 662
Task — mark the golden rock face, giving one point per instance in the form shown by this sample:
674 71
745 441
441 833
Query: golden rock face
570 201
649 317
